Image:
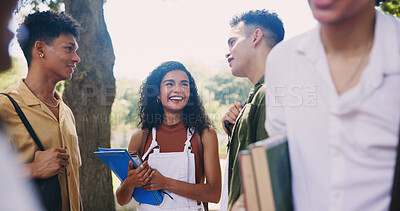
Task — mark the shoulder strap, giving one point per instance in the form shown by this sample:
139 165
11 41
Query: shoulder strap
145 136
395 201
25 121
201 155
201 151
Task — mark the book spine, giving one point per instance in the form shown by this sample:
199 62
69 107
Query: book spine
263 179
251 200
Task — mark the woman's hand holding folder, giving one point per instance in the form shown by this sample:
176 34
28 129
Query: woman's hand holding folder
158 181
139 176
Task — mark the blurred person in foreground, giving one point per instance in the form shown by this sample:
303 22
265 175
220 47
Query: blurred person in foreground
252 36
15 188
48 41
334 92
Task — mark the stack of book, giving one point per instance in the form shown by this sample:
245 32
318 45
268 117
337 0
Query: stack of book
266 176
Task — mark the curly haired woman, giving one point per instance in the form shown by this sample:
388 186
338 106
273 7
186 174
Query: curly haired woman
179 143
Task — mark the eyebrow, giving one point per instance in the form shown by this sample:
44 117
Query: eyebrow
71 43
168 80
171 80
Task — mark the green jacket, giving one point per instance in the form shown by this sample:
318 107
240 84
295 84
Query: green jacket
249 128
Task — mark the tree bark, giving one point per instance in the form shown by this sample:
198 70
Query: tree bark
90 95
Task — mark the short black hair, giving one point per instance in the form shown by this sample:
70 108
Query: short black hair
45 26
269 22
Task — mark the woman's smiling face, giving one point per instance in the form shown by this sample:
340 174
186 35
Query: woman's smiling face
174 91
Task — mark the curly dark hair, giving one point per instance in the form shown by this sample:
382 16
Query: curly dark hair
151 113
269 22
44 26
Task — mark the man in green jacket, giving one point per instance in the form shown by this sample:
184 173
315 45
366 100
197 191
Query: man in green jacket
252 36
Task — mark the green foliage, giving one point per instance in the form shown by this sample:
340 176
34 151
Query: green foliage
54 5
16 72
60 86
124 110
131 96
227 89
391 7
215 110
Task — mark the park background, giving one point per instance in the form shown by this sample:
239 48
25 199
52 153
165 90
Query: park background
139 35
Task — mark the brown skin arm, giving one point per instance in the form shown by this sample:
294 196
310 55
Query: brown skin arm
48 163
136 177
208 192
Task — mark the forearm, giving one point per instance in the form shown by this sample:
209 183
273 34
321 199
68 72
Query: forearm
47 163
199 192
35 171
30 171
124 194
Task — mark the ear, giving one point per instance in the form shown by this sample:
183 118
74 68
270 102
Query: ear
39 48
257 37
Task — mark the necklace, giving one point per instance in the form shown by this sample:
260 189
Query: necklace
37 96
53 106
356 70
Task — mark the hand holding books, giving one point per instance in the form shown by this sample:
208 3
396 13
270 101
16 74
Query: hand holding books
157 182
122 164
138 177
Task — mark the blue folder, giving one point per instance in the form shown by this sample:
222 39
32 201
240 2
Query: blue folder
118 161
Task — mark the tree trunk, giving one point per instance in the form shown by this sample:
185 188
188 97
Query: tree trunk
90 95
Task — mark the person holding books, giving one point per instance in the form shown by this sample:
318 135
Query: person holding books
177 142
252 36
334 92
48 41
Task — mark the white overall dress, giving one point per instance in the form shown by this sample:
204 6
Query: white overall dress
175 165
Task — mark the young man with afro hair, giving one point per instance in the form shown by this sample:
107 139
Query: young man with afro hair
48 40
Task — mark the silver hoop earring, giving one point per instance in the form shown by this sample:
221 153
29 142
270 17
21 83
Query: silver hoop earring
158 100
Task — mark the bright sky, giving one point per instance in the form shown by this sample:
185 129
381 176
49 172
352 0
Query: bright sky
147 32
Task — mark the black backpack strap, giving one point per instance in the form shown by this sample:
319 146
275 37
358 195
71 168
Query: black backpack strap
395 202
25 121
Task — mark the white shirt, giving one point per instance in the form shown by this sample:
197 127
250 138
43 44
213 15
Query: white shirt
342 148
